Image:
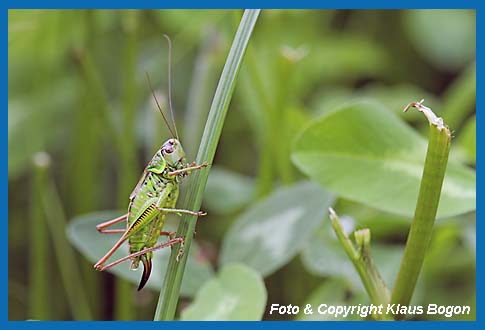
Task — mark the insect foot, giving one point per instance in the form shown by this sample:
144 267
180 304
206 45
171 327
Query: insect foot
201 213
181 251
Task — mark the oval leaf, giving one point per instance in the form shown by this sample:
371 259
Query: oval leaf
237 293
273 231
93 245
365 153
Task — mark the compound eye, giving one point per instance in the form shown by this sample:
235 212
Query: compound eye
168 149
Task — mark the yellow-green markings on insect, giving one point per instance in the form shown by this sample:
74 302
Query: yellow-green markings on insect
153 198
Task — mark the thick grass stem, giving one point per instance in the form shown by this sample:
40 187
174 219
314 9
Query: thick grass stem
426 207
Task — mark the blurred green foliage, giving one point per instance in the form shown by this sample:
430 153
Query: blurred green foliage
77 91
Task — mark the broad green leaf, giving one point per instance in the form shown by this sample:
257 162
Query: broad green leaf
236 293
333 292
272 232
323 255
366 154
227 191
93 245
446 38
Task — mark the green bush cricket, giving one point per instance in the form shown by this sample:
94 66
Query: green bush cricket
154 196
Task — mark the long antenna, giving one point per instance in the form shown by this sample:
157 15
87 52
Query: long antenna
158 105
170 82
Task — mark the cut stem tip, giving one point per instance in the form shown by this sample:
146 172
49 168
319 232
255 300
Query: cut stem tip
429 114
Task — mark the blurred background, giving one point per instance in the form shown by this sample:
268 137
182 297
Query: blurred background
83 124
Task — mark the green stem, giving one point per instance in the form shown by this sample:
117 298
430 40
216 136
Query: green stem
124 306
426 208
363 263
66 258
170 292
83 158
38 254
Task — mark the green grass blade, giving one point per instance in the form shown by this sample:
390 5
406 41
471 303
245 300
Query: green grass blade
124 308
39 272
65 256
169 295
426 207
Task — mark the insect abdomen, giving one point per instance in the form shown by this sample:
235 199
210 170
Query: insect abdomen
148 223
145 217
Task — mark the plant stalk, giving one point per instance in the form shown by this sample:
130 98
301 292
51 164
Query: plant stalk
364 264
426 208
124 305
65 256
38 248
83 158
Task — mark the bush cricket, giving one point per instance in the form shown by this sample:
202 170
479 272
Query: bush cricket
154 196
